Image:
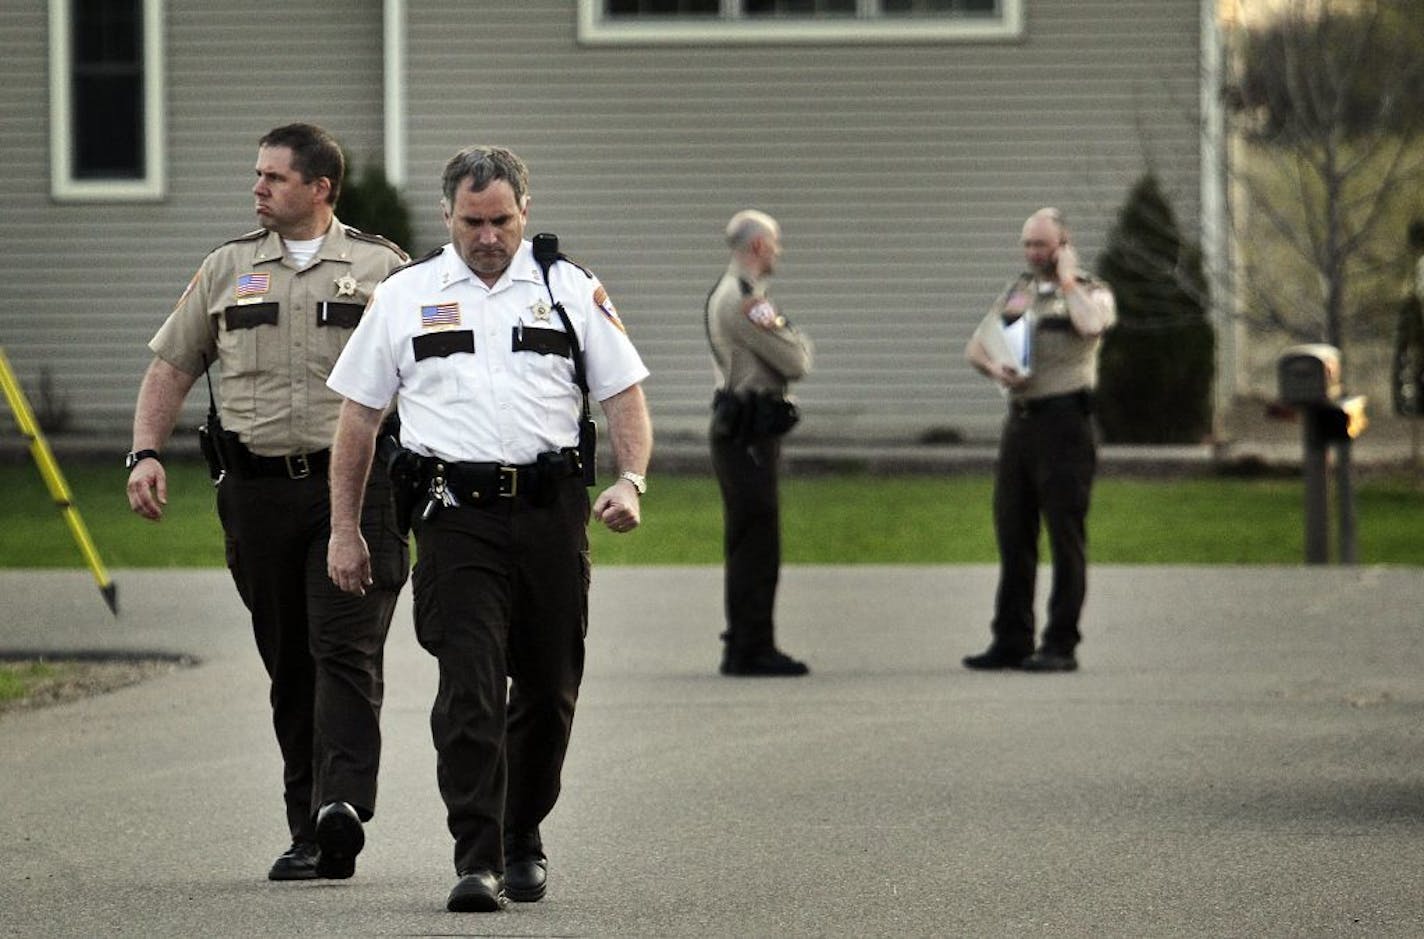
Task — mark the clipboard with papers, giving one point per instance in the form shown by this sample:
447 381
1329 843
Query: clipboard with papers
1012 342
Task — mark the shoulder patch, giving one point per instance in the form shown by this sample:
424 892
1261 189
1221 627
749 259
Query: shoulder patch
761 312
605 303
193 282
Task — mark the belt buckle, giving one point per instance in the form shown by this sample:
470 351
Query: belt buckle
510 473
298 466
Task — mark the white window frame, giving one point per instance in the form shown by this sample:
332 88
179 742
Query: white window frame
64 187
867 26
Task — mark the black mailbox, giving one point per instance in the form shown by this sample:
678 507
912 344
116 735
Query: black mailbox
1309 378
1344 419
1309 374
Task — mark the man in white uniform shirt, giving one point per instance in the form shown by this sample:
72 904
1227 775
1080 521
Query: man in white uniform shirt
473 341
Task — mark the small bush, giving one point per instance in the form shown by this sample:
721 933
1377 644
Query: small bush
1157 365
373 205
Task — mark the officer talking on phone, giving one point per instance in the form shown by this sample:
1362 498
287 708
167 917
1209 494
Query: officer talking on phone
1040 343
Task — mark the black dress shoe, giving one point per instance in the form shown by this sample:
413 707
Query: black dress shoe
1050 660
341 838
297 863
526 868
995 658
770 662
476 892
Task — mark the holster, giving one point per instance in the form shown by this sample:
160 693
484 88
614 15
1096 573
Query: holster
403 468
744 416
223 450
207 443
588 450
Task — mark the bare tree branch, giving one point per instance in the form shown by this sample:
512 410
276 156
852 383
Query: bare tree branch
1327 95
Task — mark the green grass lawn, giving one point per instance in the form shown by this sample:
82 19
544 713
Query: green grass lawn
848 519
17 678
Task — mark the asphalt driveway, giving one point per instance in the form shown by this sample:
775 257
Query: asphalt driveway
1242 755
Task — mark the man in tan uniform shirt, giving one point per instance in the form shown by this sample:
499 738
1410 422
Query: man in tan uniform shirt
275 307
757 354
1040 343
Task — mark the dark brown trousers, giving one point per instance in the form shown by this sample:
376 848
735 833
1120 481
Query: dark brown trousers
501 601
751 540
322 648
1047 457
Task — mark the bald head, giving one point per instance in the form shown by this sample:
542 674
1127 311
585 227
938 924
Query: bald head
1043 232
755 238
747 226
1048 216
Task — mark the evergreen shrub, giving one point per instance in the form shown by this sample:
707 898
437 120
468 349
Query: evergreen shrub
373 205
1157 364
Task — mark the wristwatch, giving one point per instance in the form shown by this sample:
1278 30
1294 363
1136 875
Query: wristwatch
639 481
135 457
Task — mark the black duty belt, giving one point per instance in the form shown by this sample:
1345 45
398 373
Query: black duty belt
292 466
1028 407
473 483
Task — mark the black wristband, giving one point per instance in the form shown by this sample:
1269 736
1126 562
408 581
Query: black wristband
134 457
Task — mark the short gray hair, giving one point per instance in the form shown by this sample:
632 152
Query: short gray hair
483 165
747 226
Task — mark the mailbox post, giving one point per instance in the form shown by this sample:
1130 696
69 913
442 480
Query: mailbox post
1309 378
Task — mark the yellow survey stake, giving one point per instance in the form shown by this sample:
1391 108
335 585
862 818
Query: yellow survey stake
54 480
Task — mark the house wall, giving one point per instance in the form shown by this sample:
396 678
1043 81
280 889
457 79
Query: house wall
84 286
901 174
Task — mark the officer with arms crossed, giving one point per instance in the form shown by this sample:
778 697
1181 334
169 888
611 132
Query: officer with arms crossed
757 353
275 307
1040 342
474 340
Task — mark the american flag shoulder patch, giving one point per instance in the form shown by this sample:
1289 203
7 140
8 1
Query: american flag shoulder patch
439 314
252 285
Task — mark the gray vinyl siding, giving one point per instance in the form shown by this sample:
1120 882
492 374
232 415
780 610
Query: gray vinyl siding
901 174
85 285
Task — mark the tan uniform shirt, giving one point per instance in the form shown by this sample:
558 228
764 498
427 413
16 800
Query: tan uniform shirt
753 346
277 331
1061 361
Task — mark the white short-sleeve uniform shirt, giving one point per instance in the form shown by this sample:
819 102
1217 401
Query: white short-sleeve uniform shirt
484 373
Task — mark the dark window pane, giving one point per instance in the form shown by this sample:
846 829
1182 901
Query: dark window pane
108 141
634 8
798 7
977 8
802 9
107 89
107 31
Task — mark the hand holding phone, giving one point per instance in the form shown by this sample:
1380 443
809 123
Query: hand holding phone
1065 261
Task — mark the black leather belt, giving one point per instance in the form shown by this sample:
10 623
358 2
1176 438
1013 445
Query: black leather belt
293 466
481 482
1028 407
